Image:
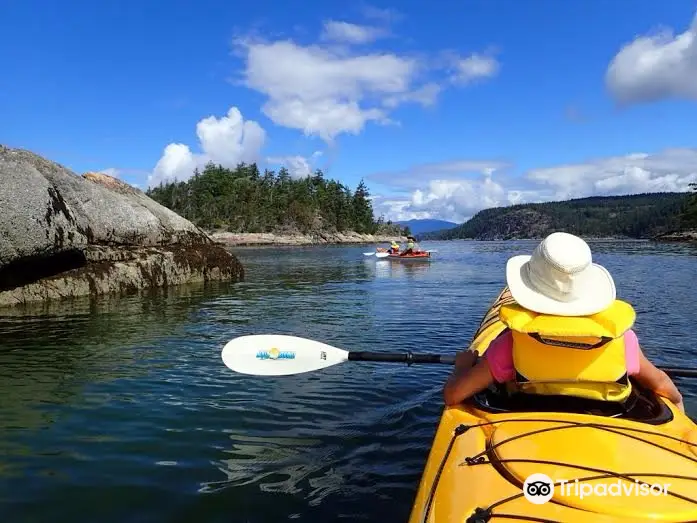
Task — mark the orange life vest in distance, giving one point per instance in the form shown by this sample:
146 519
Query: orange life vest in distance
571 356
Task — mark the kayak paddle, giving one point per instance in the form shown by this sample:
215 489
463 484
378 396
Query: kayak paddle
282 355
368 253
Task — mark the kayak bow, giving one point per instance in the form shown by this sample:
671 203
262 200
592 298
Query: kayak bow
486 448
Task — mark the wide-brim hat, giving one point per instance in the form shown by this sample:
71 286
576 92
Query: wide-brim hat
560 278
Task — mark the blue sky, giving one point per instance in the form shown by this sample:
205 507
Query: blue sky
443 110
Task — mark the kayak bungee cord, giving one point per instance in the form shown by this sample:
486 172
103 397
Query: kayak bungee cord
576 424
483 515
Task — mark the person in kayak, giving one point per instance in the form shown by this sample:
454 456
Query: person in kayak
394 247
412 246
563 302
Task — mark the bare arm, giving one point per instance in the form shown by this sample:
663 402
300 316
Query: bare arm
658 381
465 381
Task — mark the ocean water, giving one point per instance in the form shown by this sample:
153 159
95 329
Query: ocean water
121 410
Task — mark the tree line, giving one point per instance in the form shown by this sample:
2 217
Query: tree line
689 216
244 199
631 216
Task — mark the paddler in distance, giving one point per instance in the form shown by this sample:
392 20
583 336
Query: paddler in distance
567 334
392 249
412 246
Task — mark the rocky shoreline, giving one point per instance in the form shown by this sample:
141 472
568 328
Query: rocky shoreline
63 235
678 237
238 239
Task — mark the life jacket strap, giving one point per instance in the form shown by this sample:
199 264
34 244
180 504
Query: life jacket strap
519 378
570 344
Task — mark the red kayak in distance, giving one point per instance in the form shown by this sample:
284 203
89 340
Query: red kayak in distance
420 255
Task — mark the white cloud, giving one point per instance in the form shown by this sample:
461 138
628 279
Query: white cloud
418 175
298 166
656 66
227 141
425 96
444 190
667 171
474 67
329 90
324 92
339 31
434 194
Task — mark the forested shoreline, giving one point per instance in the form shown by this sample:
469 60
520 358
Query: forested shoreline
638 216
245 200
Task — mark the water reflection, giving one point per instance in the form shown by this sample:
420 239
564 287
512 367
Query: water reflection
48 352
397 269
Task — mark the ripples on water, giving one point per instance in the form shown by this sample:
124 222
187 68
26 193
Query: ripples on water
123 410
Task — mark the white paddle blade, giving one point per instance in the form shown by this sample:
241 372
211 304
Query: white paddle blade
368 253
382 254
279 355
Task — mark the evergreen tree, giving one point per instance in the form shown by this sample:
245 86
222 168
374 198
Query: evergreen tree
689 216
244 200
363 210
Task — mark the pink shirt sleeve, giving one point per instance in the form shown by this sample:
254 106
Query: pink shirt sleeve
499 356
631 352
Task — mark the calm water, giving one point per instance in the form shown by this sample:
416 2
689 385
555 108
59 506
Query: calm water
123 411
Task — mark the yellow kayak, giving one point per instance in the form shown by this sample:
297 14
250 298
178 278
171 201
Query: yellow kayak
604 467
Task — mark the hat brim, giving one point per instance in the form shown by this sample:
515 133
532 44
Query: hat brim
597 291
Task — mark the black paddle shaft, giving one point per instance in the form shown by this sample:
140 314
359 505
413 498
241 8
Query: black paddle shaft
401 357
409 358
679 372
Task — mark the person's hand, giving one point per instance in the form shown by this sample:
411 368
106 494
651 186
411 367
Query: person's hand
466 359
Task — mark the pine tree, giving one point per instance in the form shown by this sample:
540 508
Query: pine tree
244 200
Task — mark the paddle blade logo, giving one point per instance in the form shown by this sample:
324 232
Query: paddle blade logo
538 489
275 354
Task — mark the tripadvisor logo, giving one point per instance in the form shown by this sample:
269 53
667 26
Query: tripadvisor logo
539 488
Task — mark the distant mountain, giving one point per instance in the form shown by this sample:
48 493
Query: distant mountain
632 216
423 226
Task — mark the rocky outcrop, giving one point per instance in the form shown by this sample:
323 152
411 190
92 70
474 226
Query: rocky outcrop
239 239
678 236
66 235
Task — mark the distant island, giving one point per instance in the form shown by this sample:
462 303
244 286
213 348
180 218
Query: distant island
639 216
244 206
422 226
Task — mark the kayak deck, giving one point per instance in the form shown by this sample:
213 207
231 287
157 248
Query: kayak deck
485 448
479 462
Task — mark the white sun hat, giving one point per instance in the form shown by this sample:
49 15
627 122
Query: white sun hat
560 278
